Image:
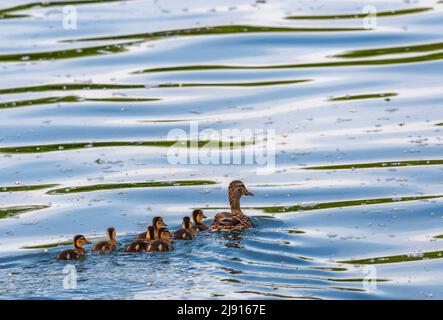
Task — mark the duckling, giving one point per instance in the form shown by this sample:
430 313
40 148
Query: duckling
236 219
163 243
198 216
157 223
185 233
141 245
77 252
109 245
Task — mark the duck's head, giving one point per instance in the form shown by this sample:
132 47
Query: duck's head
238 189
157 223
150 233
163 233
198 216
186 224
112 234
80 241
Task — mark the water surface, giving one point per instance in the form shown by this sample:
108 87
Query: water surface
357 190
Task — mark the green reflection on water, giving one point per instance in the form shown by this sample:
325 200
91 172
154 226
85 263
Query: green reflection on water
7 212
414 59
406 163
107 144
68 99
365 96
397 258
27 188
360 15
214 30
69 87
113 186
48 4
391 50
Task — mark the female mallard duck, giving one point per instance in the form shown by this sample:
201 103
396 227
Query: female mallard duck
198 216
109 245
77 252
236 219
163 243
157 223
185 233
141 245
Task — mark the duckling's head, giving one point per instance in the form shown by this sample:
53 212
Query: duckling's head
112 234
80 241
186 224
198 216
150 233
237 188
157 222
163 233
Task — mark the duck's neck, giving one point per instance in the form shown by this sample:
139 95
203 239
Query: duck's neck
111 239
80 250
234 201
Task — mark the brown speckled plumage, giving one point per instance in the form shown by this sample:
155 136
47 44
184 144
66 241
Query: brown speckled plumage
106 246
163 243
137 246
197 217
157 223
140 245
185 233
76 253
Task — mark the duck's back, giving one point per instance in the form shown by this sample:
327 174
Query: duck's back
104 247
69 255
199 227
159 245
226 221
137 246
140 236
182 235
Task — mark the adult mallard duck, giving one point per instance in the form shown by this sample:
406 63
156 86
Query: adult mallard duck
157 223
109 245
236 219
198 225
185 233
141 245
77 252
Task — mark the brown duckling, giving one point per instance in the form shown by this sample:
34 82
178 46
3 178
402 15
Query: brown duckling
141 245
77 252
109 245
198 225
163 243
157 223
185 233
236 219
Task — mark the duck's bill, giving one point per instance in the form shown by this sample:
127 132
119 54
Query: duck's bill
204 217
248 193
87 241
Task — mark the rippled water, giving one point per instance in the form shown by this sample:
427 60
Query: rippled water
357 190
